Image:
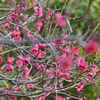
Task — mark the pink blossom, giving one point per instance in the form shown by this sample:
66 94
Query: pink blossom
66 50
59 74
59 98
24 29
18 38
98 72
83 98
58 41
80 86
41 98
67 98
54 64
28 34
92 68
81 64
60 19
17 88
75 50
89 77
9 69
61 85
20 57
12 15
41 54
39 24
6 25
25 5
30 86
66 76
19 63
26 71
41 67
1 60
50 72
34 51
15 32
9 61
48 15
34 2
42 45
13 97
65 64
91 47
38 11
31 37
27 60
5 91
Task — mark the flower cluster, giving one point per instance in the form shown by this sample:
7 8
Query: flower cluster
41 58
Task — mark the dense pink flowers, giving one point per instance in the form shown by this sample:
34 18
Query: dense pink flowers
82 65
47 61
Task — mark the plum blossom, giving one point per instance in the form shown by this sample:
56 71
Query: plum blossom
1 60
41 54
19 63
65 64
26 71
6 25
38 11
39 24
15 32
81 64
91 47
75 50
9 69
41 98
60 19
30 86
9 61
80 86
34 51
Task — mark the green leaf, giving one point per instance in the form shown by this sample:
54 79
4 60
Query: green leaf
97 55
